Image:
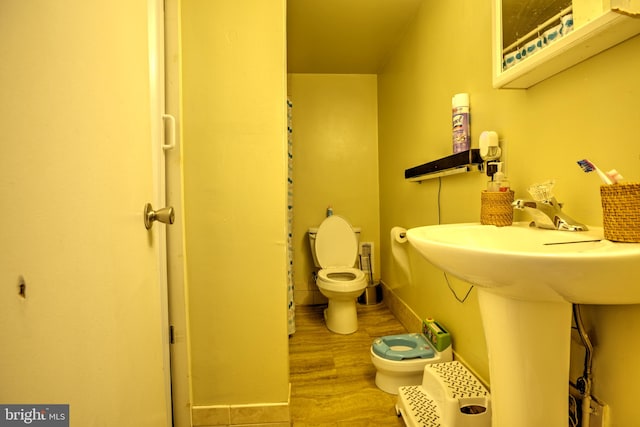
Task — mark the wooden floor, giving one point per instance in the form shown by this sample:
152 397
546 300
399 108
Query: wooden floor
332 377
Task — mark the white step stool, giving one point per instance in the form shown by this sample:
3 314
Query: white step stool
450 396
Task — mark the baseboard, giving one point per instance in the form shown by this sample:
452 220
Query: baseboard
405 315
260 414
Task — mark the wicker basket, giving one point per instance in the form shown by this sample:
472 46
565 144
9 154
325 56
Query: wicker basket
496 208
621 212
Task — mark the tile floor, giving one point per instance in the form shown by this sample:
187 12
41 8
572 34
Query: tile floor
332 377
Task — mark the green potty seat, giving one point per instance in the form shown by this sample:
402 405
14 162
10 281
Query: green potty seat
401 347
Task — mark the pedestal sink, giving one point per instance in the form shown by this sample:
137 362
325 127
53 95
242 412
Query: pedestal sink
527 278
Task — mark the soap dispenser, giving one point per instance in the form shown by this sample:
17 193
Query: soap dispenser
500 181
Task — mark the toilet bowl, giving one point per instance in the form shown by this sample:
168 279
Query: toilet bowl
335 246
400 360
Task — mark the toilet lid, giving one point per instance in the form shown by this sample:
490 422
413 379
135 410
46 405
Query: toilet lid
336 243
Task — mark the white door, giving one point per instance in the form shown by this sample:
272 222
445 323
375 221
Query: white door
81 315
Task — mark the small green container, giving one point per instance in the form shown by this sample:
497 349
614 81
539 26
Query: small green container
437 335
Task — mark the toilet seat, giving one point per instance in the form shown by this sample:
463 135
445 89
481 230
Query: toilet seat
341 278
336 250
403 347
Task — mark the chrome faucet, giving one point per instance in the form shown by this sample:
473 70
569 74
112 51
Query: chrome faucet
548 214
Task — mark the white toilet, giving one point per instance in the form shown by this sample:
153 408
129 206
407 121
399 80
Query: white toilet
334 245
400 360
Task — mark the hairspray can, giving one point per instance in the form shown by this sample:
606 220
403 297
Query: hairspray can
461 126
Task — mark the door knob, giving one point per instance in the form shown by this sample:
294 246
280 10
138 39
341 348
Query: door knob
164 215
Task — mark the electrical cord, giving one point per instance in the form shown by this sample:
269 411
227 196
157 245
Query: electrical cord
573 412
439 192
460 300
446 278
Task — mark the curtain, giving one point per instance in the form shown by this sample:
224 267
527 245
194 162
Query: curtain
291 307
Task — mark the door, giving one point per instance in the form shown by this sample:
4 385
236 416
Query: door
81 315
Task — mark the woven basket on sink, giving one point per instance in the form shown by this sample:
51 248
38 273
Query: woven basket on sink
496 209
621 212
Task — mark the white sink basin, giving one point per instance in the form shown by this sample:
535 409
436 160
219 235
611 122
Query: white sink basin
527 278
535 264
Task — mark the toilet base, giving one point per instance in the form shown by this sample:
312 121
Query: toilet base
341 316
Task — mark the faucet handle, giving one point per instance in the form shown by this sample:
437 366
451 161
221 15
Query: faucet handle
543 191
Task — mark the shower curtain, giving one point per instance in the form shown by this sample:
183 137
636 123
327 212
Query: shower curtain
291 307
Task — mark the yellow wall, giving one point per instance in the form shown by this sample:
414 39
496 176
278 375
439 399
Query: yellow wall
335 145
234 135
589 111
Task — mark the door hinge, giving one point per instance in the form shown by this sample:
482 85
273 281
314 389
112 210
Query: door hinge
172 336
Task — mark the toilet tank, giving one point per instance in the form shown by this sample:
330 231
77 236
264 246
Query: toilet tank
312 242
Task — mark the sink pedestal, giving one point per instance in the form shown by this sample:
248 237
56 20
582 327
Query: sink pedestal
528 344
